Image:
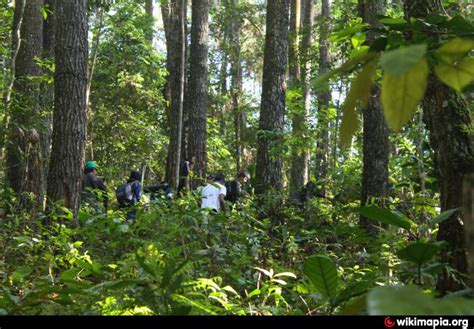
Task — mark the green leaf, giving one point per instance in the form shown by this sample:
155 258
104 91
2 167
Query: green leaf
455 49
289 274
19 274
419 252
457 75
346 32
345 67
410 300
401 94
322 272
70 275
386 216
360 91
254 292
393 21
441 217
399 61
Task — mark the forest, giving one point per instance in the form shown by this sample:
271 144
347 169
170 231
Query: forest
237 157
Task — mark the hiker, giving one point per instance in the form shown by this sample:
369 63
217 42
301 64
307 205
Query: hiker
160 190
235 189
213 194
184 170
93 188
129 194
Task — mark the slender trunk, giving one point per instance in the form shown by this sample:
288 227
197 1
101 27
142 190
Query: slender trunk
149 12
95 50
24 169
70 87
269 160
445 114
324 98
47 91
16 32
375 130
236 89
198 82
174 21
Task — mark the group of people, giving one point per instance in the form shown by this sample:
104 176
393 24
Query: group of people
213 195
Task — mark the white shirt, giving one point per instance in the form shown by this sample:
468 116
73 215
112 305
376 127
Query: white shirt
210 195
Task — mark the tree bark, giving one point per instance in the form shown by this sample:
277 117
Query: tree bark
47 91
174 21
149 12
269 162
70 86
197 92
24 170
375 130
446 113
324 97
236 88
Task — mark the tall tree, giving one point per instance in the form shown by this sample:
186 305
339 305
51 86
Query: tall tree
375 131
446 113
47 88
324 97
70 85
294 84
198 84
24 171
173 13
272 108
236 84
149 12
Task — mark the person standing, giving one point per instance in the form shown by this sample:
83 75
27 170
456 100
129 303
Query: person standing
236 187
213 194
93 188
135 195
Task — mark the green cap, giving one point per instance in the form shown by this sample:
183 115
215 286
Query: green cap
91 165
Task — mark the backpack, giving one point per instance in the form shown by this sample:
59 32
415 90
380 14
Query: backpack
231 194
124 193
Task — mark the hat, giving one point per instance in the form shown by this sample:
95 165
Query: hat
91 165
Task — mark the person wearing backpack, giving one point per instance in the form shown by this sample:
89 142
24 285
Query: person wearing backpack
235 188
129 194
93 188
213 194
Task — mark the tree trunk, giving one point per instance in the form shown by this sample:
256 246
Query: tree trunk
375 130
174 21
468 209
24 170
324 97
236 88
197 92
294 84
446 113
16 31
300 155
149 12
47 91
269 162
70 86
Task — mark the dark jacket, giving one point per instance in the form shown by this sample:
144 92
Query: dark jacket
91 182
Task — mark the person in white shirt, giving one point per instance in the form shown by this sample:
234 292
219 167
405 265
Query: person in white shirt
213 194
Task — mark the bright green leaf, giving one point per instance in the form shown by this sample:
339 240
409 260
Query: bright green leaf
360 91
21 273
419 252
399 61
441 217
456 49
401 94
457 75
386 216
410 300
392 21
322 272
